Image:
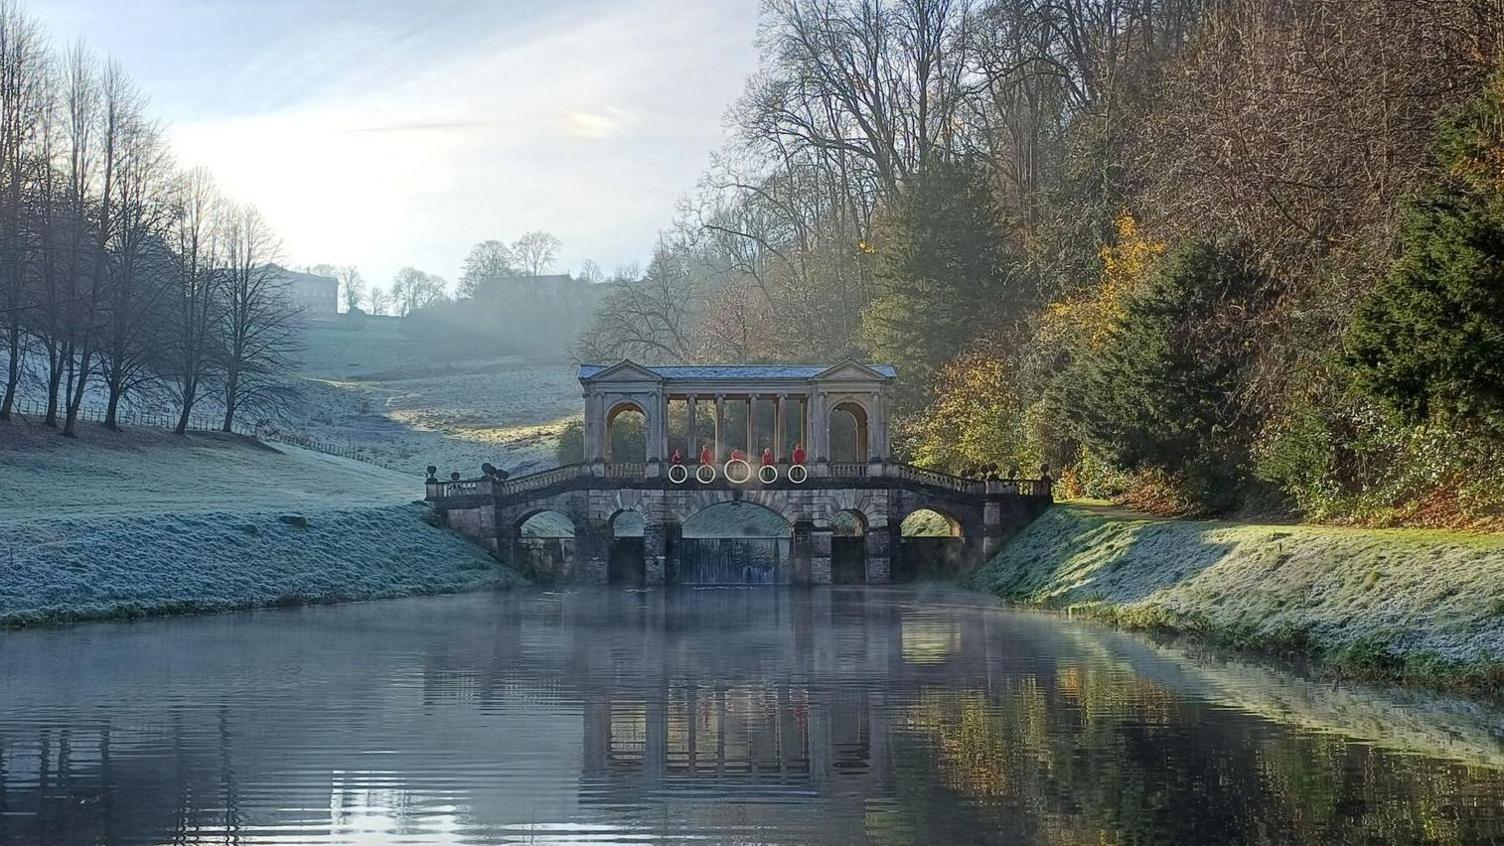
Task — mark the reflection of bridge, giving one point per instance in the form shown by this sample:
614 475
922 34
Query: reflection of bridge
847 483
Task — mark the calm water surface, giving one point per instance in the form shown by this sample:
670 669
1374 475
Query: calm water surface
709 716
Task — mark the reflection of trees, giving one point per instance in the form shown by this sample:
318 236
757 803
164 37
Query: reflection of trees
1094 756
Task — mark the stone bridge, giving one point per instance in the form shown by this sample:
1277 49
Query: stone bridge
980 514
842 501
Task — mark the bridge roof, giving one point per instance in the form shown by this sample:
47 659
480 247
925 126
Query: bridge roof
736 372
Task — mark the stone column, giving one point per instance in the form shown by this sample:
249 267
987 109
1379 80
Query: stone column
693 447
819 555
880 545
720 425
592 548
655 535
778 435
752 450
819 435
595 428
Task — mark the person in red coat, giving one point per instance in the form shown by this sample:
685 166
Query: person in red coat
677 457
767 457
799 455
705 456
738 455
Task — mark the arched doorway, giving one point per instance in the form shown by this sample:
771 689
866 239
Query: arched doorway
543 545
931 545
735 543
848 547
626 434
848 432
627 562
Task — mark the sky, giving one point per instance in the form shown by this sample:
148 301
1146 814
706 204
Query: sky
386 133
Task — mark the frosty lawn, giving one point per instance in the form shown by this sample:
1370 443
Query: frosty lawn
78 568
117 524
1411 605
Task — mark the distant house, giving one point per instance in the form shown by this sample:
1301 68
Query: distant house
315 297
551 286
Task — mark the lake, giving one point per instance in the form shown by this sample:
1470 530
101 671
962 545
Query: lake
761 715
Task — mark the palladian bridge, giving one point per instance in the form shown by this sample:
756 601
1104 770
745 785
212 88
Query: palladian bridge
797 486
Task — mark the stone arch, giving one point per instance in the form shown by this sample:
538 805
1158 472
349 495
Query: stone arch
544 522
918 523
626 558
632 445
703 519
849 522
627 523
856 446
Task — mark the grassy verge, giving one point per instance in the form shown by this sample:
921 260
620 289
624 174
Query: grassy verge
71 569
1418 607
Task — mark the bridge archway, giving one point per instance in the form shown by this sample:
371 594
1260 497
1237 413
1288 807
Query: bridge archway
736 542
543 544
626 433
627 560
848 547
932 544
848 435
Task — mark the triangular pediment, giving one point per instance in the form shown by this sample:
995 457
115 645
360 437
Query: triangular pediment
625 370
849 370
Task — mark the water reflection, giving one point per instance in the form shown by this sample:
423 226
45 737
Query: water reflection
766 716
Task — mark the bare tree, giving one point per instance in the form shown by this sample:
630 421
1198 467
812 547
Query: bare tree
487 260
256 322
536 251
652 316
196 282
24 77
352 287
413 289
137 261
380 300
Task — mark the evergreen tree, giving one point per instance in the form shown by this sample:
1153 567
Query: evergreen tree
1164 389
944 273
1429 339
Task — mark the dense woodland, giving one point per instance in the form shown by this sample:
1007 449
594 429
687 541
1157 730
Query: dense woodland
1206 256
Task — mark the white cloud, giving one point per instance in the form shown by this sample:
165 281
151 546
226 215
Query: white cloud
405 137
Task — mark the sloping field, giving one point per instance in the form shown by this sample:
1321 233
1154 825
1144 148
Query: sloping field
144 522
385 395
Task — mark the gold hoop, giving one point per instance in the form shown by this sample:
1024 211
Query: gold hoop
702 470
746 472
798 474
762 474
681 477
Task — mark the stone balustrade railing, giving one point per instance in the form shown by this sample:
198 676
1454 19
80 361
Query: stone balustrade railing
832 471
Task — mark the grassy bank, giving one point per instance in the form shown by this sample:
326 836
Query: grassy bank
1413 606
136 523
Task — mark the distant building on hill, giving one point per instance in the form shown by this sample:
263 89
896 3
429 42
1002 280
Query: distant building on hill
552 286
315 297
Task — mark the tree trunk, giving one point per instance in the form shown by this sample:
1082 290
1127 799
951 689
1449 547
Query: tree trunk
113 406
76 401
232 384
190 388
13 377
54 385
